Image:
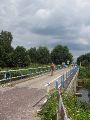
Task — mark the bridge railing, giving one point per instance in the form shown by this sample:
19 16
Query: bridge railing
58 83
62 78
22 73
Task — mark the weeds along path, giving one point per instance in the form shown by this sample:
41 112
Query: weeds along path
21 102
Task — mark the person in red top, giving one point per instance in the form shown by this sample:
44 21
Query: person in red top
52 69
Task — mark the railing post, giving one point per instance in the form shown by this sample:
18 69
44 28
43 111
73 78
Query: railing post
57 99
20 73
57 85
5 76
62 81
10 75
48 90
66 75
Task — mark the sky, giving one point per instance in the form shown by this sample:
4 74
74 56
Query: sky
35 23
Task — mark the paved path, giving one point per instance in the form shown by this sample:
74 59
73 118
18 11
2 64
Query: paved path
20 102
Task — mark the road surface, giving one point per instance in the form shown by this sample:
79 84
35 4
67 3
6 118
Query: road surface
22 101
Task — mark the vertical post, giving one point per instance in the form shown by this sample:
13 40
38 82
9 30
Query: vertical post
57 99
30 72
10 77
48 90
57 85
62 80
5 76
20 73
66 75
69 72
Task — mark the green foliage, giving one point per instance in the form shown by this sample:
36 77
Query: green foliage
76 111
84 60
79 110
61 54
5 47
6 40
43 55
84 73
49 109
20 57
32 52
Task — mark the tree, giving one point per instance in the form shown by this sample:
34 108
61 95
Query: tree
20 57
32 52
61 54
6 40
43 55
5 47
84 60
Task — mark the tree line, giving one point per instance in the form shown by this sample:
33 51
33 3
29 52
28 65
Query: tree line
84 60
20 57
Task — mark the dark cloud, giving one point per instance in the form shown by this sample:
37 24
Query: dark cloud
48 22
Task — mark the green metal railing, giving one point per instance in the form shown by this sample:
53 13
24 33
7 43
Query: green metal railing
22 73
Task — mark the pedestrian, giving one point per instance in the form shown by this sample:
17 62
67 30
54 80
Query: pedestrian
52 69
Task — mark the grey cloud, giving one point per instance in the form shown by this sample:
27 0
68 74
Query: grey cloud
47 22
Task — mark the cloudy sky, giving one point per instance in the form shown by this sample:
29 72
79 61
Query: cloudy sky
48 23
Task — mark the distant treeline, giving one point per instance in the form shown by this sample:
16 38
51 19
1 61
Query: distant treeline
84 60
20 57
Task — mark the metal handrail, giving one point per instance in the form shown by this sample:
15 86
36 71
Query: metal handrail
20 73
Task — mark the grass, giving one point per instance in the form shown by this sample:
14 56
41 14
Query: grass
76 111
48 111
79 111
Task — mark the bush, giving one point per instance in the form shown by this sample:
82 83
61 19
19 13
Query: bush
84 72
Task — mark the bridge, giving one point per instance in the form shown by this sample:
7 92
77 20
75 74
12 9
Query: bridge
21 99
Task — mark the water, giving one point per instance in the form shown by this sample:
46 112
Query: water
85 95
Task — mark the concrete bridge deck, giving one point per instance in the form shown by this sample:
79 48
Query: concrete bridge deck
20 102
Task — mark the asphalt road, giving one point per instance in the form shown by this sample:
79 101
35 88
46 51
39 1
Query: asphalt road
22 101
